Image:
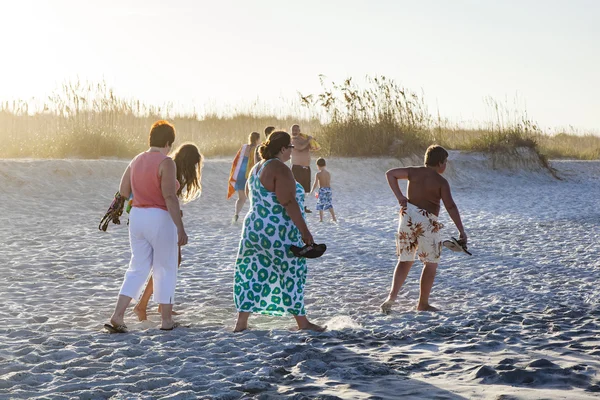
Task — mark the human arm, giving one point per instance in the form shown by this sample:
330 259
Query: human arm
452 210
392 177
314 186
125 185
168 184
301 143
285 191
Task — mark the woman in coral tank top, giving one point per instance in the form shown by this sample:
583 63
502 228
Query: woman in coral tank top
155 227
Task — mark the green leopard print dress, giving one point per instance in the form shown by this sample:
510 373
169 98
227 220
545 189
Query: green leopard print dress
268 278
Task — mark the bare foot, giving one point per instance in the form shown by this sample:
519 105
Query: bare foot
140 312
313 327
427 307
386 306
172 312
240 328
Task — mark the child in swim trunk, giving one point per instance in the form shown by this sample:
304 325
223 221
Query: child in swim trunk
325 194
419 230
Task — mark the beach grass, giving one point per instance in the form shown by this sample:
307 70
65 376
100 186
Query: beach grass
376 118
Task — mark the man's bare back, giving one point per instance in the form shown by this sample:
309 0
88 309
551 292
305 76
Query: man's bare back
324 179
425 188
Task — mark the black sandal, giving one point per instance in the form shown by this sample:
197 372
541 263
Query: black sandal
116 329
114 212
309 251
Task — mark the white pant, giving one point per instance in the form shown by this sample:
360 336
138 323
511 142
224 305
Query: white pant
153 239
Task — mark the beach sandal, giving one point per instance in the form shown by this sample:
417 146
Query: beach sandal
309 251
456 245
114 212
116 329
175 325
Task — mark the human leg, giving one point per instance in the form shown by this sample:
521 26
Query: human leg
165 259
242 321
141 307
240 203
400 273
139 266
427 278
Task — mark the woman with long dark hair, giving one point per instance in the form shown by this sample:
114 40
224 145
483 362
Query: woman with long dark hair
188 162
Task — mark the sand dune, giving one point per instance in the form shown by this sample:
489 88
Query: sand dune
520 319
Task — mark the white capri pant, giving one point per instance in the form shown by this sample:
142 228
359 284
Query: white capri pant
153 239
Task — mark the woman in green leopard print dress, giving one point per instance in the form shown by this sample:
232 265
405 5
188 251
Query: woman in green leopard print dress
268 278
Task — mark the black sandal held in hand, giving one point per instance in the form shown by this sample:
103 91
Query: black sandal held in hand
309 251
114 212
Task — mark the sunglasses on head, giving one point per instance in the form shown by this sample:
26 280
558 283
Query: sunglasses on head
290 146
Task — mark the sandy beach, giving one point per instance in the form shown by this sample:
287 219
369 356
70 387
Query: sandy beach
520 318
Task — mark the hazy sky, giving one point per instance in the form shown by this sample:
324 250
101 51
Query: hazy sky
194 53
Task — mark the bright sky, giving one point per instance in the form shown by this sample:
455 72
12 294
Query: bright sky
197 53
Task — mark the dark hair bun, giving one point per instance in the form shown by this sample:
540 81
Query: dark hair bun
277 140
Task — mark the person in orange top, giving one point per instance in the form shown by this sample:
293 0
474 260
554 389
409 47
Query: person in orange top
155 227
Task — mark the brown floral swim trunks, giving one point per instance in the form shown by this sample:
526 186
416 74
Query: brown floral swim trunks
418 235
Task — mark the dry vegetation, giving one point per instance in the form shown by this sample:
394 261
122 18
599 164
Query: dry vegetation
90 121
379 118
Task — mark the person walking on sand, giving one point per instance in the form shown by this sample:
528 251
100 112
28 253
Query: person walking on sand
188 162
155 227
268 131
268 278
323 181
303 145
419 229
240 168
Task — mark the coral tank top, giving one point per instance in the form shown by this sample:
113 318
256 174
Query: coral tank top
145 180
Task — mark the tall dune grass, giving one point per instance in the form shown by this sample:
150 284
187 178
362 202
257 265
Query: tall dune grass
377 118
86 120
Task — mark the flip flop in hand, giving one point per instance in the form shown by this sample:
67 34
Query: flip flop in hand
309 251
456 245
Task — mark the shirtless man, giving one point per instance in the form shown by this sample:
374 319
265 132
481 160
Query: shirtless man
419 229
301 159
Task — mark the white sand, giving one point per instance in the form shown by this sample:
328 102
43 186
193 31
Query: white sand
520 318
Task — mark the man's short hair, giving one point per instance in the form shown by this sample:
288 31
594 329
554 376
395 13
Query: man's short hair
161 134
269 130
435 155
321 162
